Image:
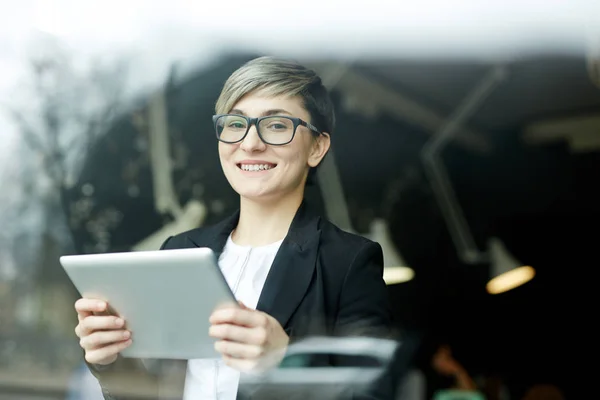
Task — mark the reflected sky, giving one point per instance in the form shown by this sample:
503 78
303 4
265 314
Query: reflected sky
156 34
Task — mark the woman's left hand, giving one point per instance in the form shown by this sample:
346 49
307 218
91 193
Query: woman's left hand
249 340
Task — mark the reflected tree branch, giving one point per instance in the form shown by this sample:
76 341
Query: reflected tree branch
67 110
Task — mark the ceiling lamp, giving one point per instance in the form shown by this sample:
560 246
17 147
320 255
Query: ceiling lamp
395 268
431 154
507 272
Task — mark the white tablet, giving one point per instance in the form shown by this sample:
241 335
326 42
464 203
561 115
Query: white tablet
165 296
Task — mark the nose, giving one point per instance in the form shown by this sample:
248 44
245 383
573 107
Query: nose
252 141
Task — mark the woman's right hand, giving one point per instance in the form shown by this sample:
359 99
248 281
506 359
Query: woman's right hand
102 337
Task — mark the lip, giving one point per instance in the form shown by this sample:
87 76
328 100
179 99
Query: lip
255 162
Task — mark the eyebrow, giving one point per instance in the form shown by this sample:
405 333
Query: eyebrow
275 111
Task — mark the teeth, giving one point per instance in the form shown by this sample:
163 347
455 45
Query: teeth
255 167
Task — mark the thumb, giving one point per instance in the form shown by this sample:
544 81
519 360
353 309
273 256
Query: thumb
241 303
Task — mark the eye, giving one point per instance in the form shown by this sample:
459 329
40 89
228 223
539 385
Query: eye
277 126
236 125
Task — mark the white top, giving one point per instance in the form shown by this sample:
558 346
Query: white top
245 268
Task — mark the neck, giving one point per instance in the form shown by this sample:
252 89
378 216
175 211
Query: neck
262 223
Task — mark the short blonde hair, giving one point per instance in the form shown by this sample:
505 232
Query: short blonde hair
278 77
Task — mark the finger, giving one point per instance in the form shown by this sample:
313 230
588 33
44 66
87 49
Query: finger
240 334
82 315
241 364
239 350
78 331
101 339
244 307
89 306
239 316
97 356
94 323
86 307
227 305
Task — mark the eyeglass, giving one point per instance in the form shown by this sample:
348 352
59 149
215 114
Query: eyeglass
274 130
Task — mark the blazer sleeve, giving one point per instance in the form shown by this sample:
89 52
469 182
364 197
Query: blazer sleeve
364 310
364 307
108 374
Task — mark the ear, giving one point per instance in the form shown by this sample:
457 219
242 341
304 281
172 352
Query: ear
320 147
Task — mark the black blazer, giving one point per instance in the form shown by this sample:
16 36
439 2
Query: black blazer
323 281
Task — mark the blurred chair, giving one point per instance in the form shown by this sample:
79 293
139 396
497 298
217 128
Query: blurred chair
302 373
457 394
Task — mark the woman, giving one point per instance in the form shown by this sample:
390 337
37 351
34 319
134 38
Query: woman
294 273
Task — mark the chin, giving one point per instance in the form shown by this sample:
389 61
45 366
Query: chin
254 193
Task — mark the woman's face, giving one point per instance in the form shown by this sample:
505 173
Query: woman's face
283 169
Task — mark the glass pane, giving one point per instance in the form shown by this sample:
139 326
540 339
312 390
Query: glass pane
231 128
277 129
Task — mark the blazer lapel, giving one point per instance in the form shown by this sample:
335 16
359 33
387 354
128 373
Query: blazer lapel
292 269
215 236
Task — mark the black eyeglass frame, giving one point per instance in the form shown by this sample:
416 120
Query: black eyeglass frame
256 121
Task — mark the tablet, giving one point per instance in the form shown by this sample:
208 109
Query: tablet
166 297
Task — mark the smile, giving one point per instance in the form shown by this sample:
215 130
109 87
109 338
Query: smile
256 167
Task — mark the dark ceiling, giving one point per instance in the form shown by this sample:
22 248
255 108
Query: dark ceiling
535 87
541 200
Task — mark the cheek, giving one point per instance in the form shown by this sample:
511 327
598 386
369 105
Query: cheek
299 152
225 151
292 157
